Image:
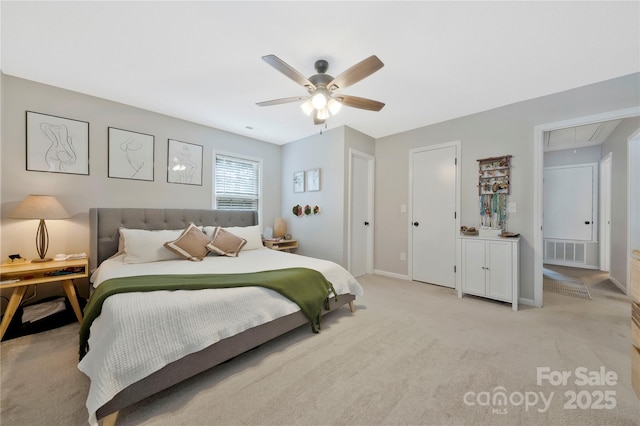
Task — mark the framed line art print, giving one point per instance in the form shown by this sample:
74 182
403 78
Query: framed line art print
298 182
184 163
130 155
313 180
57 144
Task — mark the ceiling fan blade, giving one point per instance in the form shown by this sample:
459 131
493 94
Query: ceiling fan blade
356 73
288 70
362 103
282 101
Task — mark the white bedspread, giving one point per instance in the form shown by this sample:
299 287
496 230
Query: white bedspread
139 333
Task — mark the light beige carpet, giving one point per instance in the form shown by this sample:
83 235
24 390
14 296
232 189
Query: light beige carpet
412 354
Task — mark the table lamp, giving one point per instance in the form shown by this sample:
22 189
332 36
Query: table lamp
41 207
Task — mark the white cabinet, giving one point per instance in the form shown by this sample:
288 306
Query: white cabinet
489 268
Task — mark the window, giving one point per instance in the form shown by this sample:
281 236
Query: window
237 183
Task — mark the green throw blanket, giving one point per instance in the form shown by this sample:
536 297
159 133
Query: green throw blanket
306 287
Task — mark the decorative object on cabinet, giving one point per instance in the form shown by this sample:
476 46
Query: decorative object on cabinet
57 144
470 230
493 189
298 181
41 207
279 228
489 268
131 155
184 163
313 180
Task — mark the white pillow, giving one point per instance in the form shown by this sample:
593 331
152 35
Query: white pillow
142 246
250 233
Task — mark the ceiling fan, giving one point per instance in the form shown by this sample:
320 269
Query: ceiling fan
323 100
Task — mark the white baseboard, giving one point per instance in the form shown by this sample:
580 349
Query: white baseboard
525 301
618 284
391 274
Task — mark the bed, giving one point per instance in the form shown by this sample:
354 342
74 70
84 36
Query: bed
200 328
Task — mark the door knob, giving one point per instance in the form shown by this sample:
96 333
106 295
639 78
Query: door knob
366 224
416 223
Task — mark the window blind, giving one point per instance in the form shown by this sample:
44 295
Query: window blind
237 185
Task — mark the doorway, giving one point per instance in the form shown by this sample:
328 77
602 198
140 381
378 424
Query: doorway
538 165
361 220
434 200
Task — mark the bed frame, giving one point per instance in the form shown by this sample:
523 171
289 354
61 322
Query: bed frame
104 224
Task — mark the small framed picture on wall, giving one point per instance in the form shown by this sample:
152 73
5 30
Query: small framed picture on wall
298 182
130 155
313 180
184 163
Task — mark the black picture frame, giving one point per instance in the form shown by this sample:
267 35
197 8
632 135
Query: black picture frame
184 163
56 144
131 155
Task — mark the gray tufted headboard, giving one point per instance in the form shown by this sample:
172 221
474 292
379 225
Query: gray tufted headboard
105 222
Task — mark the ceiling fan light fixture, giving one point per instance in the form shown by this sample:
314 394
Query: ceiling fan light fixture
307 107
322 114
319 100
334 106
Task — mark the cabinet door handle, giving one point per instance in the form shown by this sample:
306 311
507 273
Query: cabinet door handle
416 223
586 222
366 224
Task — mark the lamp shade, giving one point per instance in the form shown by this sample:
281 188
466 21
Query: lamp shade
279 228
39 207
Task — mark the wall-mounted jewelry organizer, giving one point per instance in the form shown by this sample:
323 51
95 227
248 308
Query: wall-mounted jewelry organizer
493 189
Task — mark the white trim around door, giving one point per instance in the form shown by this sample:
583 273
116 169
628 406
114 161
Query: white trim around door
370 207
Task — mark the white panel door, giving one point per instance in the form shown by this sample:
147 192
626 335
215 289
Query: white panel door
433 251
568 212
361 216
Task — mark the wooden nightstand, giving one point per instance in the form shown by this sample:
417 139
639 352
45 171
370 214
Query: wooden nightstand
282 245
39 273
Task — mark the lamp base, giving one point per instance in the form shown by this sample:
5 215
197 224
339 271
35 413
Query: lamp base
46 259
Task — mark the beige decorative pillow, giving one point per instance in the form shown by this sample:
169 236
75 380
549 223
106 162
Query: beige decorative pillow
142 246
225 243
191 245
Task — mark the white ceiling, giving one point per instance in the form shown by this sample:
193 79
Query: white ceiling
201 61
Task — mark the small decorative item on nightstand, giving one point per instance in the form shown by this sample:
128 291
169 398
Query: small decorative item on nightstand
279 228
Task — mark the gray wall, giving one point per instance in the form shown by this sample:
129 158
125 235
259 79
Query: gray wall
319 235
505 130
78 193
567 157
617 145
323 235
